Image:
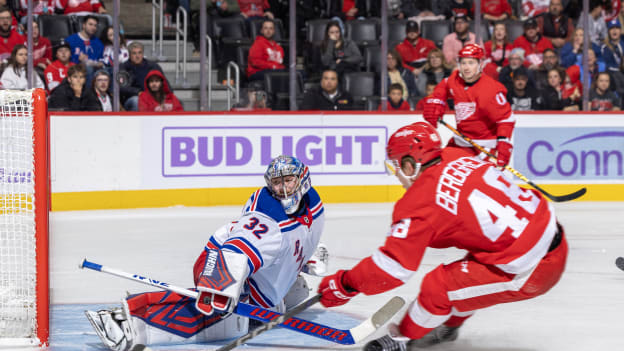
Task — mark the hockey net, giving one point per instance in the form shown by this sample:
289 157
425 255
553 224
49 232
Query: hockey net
23 218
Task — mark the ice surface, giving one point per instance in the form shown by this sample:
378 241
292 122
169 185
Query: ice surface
583 312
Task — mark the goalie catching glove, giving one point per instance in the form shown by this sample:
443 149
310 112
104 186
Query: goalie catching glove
221 281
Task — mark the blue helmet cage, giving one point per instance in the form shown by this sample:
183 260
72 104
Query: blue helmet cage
282 166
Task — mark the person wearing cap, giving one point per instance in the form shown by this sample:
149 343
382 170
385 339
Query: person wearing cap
458 39
555 25
520 96
414 48
57 70
612 49
482 112
533 43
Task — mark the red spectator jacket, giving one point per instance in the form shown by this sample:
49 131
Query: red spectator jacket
253 8
73 6
264 54
498 54
405 106
494 7
39 7
148 103
55 73
7 44
42 51
533 50
414 54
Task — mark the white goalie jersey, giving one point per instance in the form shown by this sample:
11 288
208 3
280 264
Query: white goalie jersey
277 246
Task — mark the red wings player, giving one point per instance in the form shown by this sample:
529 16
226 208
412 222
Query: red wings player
516 248
482 112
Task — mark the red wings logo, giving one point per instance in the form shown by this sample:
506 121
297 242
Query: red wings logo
464 110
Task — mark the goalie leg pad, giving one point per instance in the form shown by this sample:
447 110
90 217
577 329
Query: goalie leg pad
298 292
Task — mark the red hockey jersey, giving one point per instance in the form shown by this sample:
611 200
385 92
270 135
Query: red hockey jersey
74 6
482 112
466 203
55 73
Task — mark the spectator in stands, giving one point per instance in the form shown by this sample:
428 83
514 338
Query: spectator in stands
42 49
107 38
15 75
80 7
520 97
564 100
157 97
550 61
497 51
72 94
533 44
337 53
255 9
612 50
329 97
572 52
86 47
533 8
414 48
254 99
516 59
455 41
40 7
9 37
137 68
555 25
572 88
495 10
597 24
452 8
399 75
601 98
57 70
552 92
100 86
396 101
10 4
265 54
346 10
435 69
430 87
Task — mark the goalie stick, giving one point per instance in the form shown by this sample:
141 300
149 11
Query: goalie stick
555 198
619 262
340 336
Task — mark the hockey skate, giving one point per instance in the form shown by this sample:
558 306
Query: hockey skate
395 342
113 328
440 334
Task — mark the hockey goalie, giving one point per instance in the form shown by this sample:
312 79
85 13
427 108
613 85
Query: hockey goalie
256 259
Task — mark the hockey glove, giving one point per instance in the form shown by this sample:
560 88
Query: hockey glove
503 152
221 281
334 293
434 109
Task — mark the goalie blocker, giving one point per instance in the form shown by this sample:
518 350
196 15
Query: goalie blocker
256 259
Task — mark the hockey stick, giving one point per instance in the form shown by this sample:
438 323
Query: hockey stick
340 336
555 198
272 324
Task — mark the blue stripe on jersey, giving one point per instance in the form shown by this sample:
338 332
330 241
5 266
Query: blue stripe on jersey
257 289
318 213
214 242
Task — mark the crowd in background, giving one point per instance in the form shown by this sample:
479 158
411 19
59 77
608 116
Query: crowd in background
533 47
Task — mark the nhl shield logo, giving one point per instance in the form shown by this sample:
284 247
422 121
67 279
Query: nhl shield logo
464 110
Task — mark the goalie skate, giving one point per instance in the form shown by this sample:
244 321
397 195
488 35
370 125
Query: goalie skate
113 328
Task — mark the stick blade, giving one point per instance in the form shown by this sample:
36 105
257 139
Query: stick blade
568 197
378 319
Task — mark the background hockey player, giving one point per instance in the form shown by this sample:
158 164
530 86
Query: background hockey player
256 259
516 248
482 112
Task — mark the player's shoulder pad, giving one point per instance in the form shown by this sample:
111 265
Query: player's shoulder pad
263 202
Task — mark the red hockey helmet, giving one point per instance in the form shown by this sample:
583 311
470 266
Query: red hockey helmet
471 51
419 140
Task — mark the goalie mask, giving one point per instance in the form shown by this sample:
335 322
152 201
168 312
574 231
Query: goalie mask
288 180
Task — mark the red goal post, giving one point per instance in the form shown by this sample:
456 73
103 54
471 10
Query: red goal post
24 209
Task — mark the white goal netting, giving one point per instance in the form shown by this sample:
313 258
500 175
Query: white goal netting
17 217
